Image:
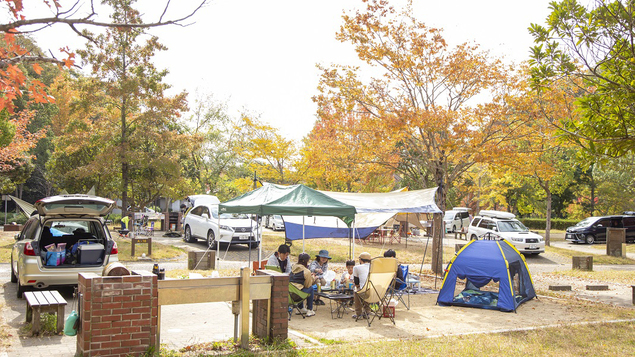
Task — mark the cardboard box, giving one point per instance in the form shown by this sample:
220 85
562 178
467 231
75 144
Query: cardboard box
389 311
91 253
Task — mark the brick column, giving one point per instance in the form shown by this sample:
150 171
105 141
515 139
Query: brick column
278 316
118 314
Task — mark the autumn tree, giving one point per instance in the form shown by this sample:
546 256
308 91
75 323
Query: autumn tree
122 129
264 150
425 102
216 162
335 157
593 48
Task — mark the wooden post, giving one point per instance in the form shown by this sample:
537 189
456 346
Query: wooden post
244 307
615 242
141 240
582 262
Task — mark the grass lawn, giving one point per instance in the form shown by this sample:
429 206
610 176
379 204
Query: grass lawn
630 248
6 244
606 276
159 251
597 258
339 249
616 339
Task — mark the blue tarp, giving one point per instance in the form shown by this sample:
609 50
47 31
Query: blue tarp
484 261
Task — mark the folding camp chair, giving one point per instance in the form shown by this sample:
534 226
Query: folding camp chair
377 290
296 297
400 287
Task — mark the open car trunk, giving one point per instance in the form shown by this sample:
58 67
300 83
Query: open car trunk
73 243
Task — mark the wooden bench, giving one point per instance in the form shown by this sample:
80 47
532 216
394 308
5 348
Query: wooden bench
38 302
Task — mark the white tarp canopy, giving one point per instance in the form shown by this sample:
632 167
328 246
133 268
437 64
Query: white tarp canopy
373 210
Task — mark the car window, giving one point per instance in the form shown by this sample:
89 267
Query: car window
605 222
475 222
28 232
197 210
486 223
511 226
586 222
629 221
234 216
616 222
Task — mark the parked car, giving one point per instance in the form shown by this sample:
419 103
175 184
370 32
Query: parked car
456 219
276 222
593 229
66 236
203 222
506 226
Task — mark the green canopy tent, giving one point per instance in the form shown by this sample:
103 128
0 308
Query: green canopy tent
294 200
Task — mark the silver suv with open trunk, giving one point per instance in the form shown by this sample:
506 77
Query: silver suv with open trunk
66 236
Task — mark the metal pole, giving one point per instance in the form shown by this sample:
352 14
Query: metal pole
5 209
302 234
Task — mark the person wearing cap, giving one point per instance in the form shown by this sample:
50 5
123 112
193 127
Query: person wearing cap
319 267
360 275
302 278
281 259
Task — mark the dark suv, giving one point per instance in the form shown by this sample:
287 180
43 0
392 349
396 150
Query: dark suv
593 229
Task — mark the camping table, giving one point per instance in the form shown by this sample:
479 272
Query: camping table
341 298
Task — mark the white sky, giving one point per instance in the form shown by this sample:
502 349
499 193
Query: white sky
261 55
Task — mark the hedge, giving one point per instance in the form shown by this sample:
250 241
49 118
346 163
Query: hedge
541 223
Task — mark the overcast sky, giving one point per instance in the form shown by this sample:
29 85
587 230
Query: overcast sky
261 55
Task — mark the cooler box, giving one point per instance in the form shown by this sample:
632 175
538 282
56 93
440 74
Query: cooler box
91 253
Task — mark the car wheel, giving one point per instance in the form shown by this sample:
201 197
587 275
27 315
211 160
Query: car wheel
21 290
473 237
254 245
211 239
589 239
14 278
188 235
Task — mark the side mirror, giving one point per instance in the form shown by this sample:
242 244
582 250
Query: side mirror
495 229
205 215
600 225
17 236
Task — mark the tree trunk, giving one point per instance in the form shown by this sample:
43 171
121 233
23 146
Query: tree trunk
439 231
548 221
592 193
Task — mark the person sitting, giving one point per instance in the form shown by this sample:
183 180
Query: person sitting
281 259
347 276
360 275
302 278
319 267
392 254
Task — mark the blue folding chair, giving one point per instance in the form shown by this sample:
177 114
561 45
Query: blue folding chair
400 287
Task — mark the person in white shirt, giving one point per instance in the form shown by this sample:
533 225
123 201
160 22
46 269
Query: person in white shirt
360 275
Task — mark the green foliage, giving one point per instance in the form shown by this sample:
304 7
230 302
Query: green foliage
592 49
541 223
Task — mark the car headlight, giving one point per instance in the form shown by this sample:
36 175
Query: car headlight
519 240
227 228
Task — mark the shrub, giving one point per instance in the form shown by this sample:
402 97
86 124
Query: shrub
541 223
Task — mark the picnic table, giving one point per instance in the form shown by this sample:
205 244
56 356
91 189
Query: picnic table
340 298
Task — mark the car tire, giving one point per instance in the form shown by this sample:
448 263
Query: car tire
473 237
254 245
211 239
188 235
14 278
589 239
21 290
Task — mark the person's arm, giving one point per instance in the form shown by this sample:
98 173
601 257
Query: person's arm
309 280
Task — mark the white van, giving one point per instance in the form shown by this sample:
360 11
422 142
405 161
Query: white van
456 219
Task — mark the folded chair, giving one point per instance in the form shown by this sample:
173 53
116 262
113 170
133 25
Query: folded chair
377 288
296 297
400 287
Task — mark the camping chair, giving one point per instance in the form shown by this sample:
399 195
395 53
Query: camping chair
400 287
296 297
377 290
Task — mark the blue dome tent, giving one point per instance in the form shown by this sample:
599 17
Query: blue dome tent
495 276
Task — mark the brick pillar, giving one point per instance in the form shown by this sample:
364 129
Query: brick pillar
118 314
278 317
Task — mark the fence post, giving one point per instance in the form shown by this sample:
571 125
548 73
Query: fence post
244 307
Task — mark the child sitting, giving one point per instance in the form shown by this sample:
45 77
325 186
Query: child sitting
347 276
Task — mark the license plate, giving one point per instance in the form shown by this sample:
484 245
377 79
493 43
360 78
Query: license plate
532 246
243 238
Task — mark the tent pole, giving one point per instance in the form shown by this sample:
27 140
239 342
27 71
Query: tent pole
218 242
303 234
353 238
259 235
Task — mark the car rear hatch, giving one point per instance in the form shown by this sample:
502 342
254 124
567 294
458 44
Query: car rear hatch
74 206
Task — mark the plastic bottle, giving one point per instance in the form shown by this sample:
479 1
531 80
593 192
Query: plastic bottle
155 269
